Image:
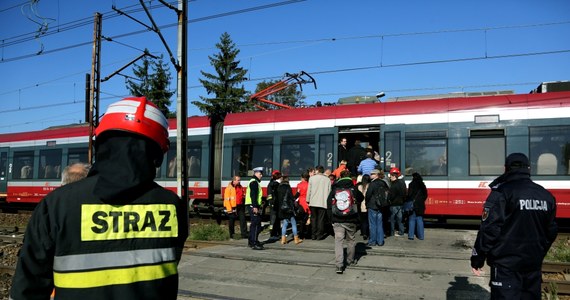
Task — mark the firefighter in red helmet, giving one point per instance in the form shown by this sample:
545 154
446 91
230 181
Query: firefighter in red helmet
115 233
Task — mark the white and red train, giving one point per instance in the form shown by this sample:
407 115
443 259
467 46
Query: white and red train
457 143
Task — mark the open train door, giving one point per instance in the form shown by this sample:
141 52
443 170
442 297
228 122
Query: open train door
3 173
368 136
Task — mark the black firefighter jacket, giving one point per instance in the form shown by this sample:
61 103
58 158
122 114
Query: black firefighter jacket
113 235
518 224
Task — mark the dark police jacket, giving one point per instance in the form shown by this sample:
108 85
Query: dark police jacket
518 224
123 241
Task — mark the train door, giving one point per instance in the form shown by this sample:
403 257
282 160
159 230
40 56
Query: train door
365 137
3 171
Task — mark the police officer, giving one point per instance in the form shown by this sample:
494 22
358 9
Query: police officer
116 233
517 229
253 204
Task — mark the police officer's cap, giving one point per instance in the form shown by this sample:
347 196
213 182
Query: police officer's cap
517 160
258 169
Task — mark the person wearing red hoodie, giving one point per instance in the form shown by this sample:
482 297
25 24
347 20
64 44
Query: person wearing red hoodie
304 213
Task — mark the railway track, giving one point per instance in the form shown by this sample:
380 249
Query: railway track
556 278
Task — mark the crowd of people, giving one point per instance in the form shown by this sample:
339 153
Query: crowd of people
377 205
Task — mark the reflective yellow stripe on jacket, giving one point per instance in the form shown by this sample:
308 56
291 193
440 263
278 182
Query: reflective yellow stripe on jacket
102 222
110 277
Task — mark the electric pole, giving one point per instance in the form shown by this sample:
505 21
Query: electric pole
95 84
182 101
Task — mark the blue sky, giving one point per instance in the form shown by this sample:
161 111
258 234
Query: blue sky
350 47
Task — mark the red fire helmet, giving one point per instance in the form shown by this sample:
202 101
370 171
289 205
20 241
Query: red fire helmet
139 116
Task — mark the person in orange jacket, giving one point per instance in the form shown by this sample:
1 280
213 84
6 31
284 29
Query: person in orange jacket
341 167
233 205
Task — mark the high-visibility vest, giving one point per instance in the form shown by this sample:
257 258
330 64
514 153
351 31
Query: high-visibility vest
248 193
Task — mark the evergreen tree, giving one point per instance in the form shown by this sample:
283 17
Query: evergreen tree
154 77
224 85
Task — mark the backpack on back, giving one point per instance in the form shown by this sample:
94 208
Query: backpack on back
344 202
381 198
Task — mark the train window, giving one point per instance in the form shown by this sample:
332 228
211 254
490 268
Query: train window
76 155
426 153
297 155
549 150
171 159
50 164
193 155
194 159
251 153
23 165
486 152
392 150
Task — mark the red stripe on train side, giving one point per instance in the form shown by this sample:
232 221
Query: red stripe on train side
28 194
469 202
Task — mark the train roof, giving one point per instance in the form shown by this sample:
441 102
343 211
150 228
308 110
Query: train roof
555 99
67 131
552 99
193 122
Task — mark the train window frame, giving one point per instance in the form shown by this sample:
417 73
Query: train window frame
50 164
436 162
552 157
77 155
291 144
193 155
243 165
21 167
480 142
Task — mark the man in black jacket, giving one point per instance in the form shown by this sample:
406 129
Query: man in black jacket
396 195
115 234
377 189
517 229
342 150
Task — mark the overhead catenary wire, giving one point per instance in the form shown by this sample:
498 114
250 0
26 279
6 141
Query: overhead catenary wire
84 22
6 42
377 36
25 37
343 69
114 96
